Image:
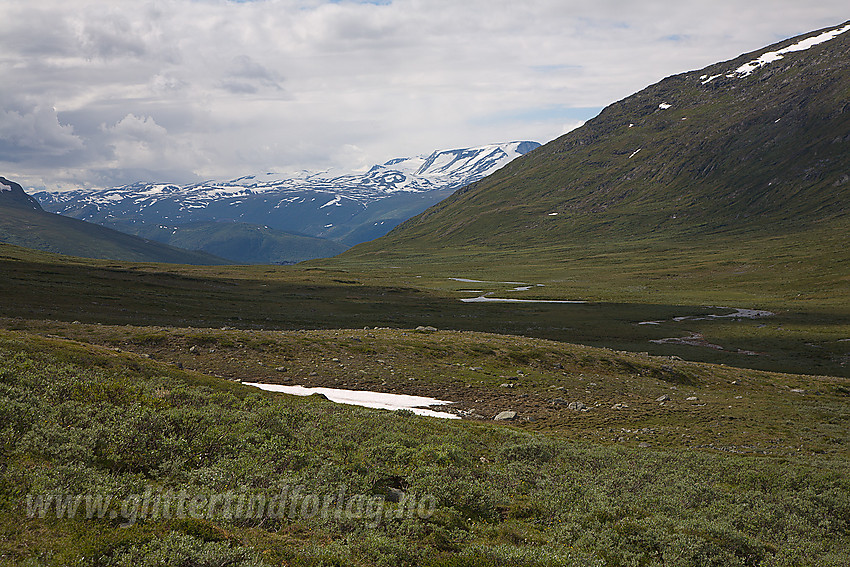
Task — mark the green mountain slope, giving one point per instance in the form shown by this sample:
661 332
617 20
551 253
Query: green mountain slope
241 242
751 167
24 223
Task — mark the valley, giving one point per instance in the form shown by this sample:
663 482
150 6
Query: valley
641 331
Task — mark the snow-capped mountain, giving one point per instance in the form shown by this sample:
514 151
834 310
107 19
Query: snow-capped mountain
350 207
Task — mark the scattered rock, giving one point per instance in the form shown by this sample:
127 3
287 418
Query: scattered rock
507 385
505 416
576 406
798 390
476 368
559 401
664 398
692 399
619 406
281 369
193 349
426 329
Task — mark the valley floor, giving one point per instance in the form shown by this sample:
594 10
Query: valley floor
119 381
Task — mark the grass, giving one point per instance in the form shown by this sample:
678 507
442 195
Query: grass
79 417
42 286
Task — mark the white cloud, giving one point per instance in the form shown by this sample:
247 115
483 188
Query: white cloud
217 89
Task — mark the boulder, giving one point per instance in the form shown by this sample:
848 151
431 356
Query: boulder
505 416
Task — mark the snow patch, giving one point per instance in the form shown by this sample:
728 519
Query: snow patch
378 400
336 201
747 69
664 106
634 153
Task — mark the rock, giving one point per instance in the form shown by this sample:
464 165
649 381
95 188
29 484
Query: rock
506 385
505 416
426 329
619 406
664 398
692 399
643 445
394 494
281 369
559 401
576 406
193 349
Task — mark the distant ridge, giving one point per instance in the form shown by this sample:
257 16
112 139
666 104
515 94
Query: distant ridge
24 223
13 195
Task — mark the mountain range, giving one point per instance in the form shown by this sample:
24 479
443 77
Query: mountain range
285 218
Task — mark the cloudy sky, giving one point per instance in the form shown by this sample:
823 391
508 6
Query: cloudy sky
97 93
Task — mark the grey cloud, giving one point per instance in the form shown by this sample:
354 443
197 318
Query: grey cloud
32 133
246 76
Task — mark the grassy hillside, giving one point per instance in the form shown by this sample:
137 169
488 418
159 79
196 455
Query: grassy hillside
649 483
687 180
54 233
239 242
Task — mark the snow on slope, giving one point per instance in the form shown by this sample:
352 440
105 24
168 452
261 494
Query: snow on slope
771 56
750 67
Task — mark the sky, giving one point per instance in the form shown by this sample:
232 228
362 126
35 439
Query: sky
100 93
